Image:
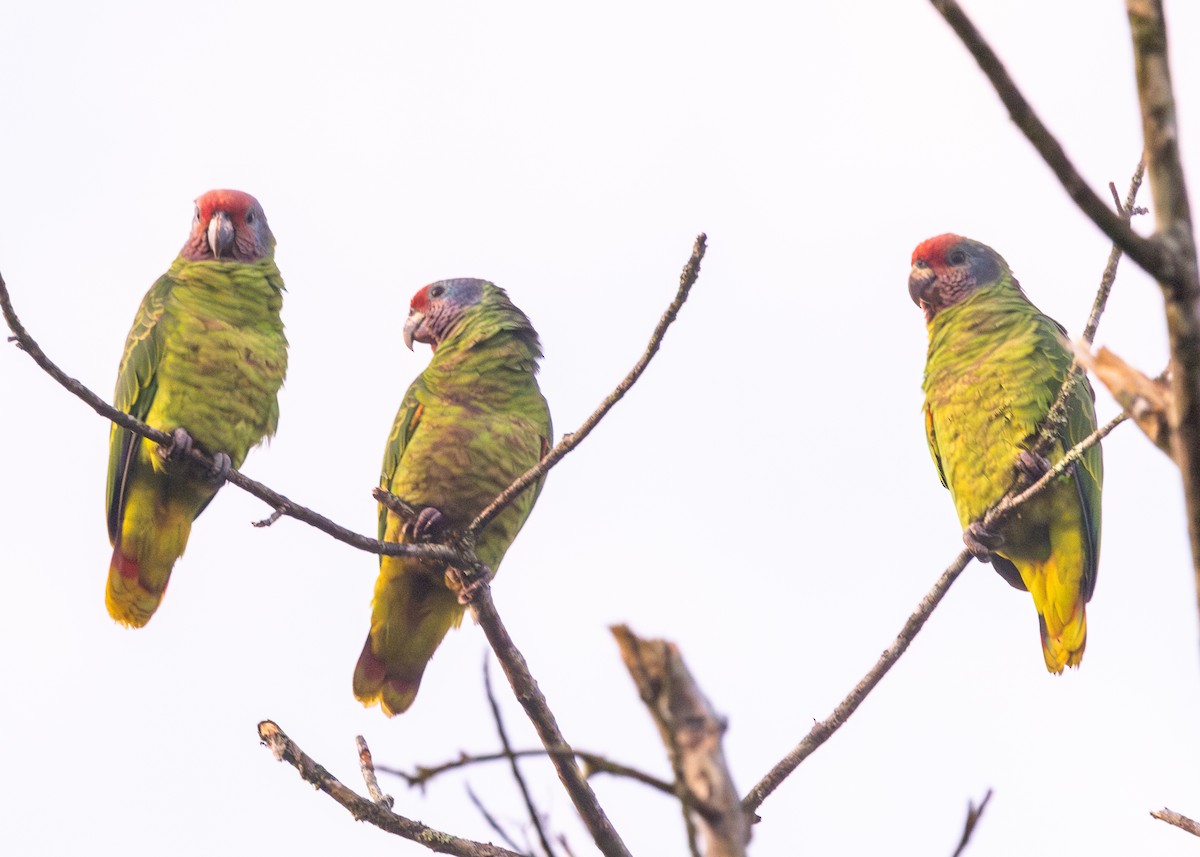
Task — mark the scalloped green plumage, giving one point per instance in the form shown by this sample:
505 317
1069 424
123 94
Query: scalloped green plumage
206 353
995 366
469 425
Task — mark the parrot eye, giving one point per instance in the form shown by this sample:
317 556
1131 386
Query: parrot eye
957 257
437 291
250 216
196 216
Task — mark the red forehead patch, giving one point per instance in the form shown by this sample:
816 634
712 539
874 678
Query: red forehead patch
229 201
935 249
420 301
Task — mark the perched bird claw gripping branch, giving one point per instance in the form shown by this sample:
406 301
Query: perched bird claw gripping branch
204 361
469 425
995 366
429 524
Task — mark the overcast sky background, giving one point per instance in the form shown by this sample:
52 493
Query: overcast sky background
764 496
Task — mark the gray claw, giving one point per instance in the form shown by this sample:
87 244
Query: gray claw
1032 466
180 446
429 523
221 466
981 542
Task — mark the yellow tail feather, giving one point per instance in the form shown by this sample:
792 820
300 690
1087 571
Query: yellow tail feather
1062 613
129 600
411 613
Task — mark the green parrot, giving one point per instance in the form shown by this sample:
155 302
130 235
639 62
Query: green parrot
204 361
995 367
469 425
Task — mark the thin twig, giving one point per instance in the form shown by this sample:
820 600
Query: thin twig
281 504
538 710
822 730
396 504
1056 418
363 809
686 280
368 771
1146 252
593 763
534 815
493 823
974 813
1180 821
269 520
1126 210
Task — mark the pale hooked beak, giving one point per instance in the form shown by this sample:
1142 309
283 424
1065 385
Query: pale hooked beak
919 280
410 326
220 234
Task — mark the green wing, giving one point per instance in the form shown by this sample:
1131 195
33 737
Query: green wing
1088 474
931 438
137 383
407 419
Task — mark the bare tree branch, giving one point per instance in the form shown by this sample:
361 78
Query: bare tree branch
530 696
692 732
367 764
492 821
1180 821
1174 231
1126 210
593 763
1148 253
363 809
974 813
686 280
1147 400
281 504
822 730
1056 419
534 815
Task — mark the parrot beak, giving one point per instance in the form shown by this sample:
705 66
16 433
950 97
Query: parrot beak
410 327
220 234
918 281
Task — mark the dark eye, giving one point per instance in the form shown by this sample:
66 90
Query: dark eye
196 216
957 257
437 291
250 216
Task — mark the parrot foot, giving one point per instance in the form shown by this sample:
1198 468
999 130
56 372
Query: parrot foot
465 591
1032 466
180 446
219 471
981 542
429 524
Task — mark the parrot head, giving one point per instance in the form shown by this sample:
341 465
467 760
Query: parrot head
949 269
228 224
438 308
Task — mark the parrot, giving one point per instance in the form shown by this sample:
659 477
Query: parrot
469 425
204 362
994 368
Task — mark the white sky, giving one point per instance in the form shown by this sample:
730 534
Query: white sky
764 497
